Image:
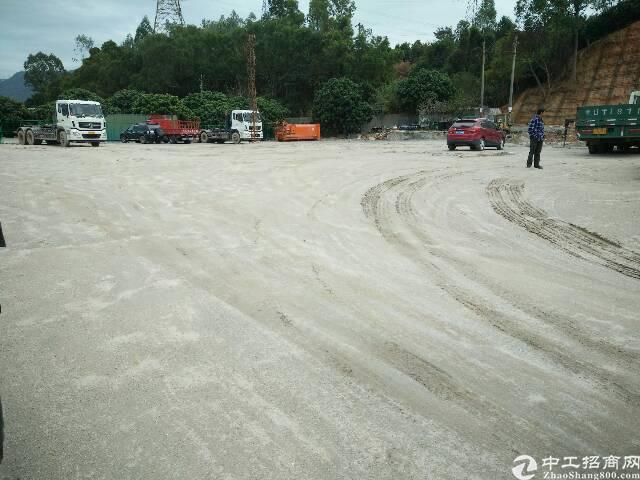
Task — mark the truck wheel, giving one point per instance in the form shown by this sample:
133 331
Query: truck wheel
123 139
501 144
95 144
451 147
592 148
173 140
235 137
21 137
204 138
30 137
143 139
62 137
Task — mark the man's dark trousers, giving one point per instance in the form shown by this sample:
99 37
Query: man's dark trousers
535 147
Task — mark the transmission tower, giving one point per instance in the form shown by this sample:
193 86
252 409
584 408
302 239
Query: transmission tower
167 12
251 76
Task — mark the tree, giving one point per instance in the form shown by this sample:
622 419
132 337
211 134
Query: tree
122 101
84 44
486 15
80 94
162 104
286 9
537 15
213 108
318 18
43 73
424 86
144 29
339 106
12 112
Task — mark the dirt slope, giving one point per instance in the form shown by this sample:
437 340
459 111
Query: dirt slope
607 71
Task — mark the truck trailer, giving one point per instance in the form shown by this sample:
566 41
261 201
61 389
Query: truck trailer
605 127
239 127
76 121
175 130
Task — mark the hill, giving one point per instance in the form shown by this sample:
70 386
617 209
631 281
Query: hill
608 70
15 88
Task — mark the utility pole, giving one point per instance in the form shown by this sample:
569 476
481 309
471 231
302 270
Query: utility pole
251 74
482 84
513 74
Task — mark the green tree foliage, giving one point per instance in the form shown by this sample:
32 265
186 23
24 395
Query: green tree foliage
144 29
162 104
213 108
43 73
565 18
486 16
122 101
339 107
273 112
12 114
80 94
83 45
422 86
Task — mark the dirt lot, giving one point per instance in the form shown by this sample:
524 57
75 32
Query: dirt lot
361 310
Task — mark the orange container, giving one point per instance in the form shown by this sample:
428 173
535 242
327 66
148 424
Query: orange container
292 132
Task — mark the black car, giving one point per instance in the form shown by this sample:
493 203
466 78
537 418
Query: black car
142 133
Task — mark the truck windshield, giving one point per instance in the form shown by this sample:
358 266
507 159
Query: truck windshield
85 110
248 117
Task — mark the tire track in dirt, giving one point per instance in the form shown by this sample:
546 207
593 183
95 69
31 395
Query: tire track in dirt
507 199
399 191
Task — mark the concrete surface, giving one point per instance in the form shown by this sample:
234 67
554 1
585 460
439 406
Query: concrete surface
341 309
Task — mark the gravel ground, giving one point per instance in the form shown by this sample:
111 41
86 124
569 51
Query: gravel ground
339 309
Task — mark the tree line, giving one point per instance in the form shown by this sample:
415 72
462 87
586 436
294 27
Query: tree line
318 62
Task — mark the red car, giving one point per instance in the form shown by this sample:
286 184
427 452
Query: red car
476 133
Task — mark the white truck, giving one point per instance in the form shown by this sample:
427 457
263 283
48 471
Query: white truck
239 127
77 121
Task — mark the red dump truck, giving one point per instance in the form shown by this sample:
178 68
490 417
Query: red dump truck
292 132
175 130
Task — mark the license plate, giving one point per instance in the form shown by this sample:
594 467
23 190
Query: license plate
459 132
600 131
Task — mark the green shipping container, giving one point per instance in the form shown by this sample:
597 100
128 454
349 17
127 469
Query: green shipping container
116 124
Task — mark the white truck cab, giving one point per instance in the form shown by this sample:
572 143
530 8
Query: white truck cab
242 121
81 121
634 98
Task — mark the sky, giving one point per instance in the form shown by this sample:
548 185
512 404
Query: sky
51 25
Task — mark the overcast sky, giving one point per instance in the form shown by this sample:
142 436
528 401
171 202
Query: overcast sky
51 25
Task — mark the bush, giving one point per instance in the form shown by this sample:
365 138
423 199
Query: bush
272 112
122 101
213 108
12 114
162 104
339 106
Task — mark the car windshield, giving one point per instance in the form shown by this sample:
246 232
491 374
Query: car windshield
464 123
85 110
248 117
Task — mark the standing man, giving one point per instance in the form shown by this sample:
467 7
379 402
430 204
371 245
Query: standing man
536 138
